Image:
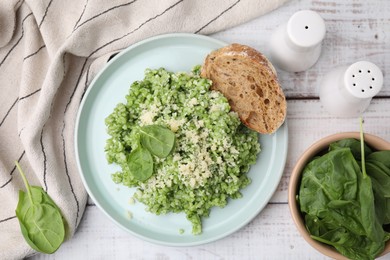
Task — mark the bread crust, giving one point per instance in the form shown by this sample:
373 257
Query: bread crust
249 82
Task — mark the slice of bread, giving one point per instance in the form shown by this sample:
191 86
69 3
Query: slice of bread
249 82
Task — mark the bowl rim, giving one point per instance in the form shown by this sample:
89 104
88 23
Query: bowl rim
372 140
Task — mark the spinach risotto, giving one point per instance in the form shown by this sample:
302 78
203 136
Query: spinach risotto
212 150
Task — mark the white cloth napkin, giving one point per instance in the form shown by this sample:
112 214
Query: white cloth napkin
50 50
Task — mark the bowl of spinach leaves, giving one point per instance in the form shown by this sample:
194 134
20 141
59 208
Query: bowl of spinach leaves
339 196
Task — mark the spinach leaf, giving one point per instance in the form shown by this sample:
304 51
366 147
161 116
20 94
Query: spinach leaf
329 189
322 181
158 140
380 158
353 144
317 226
380 177
40 219
378 167
140 163
370 221
350 245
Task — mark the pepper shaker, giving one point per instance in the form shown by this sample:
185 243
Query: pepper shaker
296 45
347 91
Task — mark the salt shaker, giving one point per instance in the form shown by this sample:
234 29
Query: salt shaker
347 91
296 45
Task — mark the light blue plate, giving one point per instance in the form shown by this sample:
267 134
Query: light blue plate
175 52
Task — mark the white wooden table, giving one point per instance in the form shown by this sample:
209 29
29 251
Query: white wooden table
356 30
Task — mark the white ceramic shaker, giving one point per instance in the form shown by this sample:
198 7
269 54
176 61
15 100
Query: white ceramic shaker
347 91
296 45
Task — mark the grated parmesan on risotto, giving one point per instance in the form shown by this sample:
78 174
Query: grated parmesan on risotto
213 150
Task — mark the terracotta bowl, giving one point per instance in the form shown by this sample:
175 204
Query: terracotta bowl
295 179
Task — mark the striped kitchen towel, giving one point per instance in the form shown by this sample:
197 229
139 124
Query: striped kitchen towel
50 50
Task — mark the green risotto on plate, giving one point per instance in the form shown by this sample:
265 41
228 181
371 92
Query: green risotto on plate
180 145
